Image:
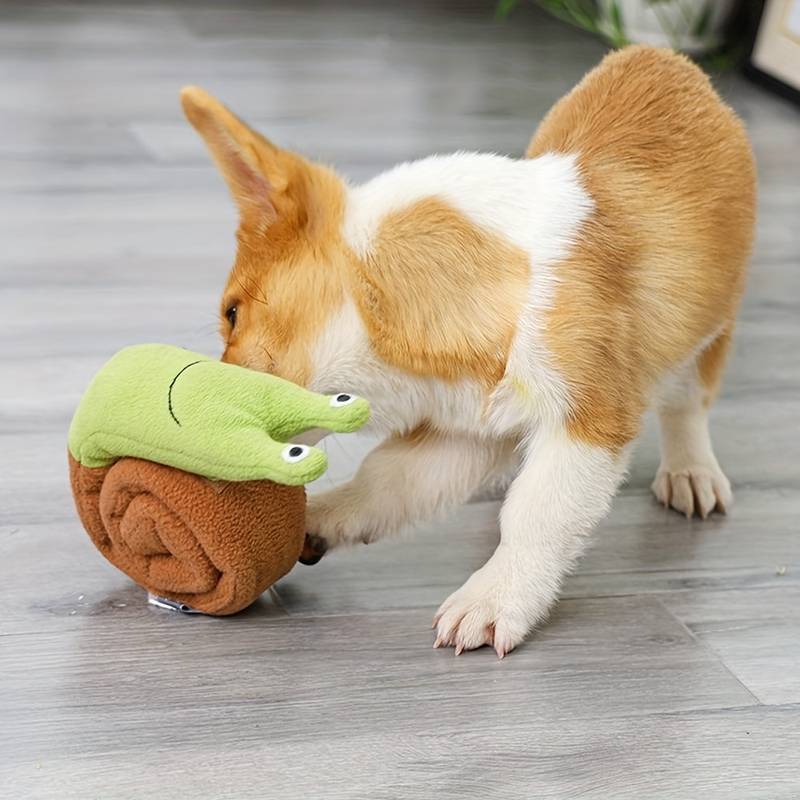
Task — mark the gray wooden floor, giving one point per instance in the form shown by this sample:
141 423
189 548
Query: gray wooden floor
672 667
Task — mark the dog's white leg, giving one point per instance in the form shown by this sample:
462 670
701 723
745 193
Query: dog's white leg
563 489
404 480
689 478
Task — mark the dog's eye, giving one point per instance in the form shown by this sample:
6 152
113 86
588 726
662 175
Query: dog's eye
343 400
230 315
294 452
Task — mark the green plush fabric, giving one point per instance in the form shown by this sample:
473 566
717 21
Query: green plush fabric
224 422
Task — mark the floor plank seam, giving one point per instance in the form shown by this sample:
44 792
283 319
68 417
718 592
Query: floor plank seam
711 650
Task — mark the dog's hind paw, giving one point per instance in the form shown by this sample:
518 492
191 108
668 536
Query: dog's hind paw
695 490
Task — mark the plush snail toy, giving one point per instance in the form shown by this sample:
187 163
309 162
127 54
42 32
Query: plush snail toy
185 477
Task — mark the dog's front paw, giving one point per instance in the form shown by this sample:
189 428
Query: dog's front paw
333 519
487 610
323 530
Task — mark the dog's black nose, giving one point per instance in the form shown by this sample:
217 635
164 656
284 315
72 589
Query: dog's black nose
313 549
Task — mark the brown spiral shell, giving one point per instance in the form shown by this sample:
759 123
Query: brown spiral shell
212 545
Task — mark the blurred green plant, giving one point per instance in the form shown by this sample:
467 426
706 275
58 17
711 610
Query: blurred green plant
605 18
583 13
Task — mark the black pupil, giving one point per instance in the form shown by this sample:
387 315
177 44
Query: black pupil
342 398
296 451
231 315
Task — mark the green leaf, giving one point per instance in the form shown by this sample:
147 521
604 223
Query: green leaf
504 8
582 13
703 21
618 37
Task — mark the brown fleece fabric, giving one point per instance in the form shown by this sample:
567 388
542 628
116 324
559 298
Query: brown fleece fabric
215 546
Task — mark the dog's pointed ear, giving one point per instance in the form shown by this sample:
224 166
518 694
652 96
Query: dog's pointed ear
251 164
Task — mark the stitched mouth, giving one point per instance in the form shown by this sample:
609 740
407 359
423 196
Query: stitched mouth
171 386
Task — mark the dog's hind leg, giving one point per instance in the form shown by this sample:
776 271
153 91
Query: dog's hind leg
690 479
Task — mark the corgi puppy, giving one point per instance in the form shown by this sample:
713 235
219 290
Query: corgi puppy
506 317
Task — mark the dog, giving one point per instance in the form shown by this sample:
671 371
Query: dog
506 317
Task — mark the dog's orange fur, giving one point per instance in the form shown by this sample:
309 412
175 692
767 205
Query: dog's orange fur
711 363
439 296
660 266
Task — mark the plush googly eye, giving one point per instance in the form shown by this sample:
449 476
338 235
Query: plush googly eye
293 453
339 400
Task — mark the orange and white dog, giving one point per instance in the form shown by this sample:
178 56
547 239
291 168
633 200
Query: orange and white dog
506 316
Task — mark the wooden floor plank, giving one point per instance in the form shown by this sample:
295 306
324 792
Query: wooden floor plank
721 755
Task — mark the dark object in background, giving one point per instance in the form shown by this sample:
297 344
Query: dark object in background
774 60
